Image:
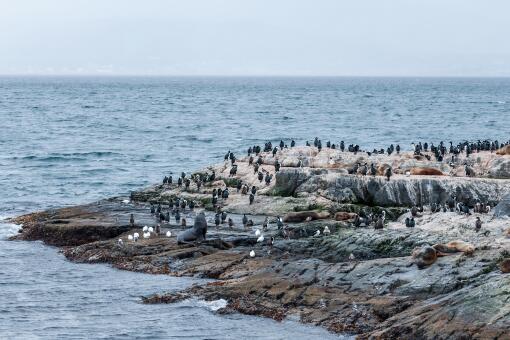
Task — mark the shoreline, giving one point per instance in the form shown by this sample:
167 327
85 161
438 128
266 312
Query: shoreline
377 292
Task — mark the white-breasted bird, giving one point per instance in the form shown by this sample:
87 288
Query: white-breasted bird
130 237
136 236
252 253
125 201
151 229
260 239
145 228
120 242
146 235
168 233
326 231
317 233
257 232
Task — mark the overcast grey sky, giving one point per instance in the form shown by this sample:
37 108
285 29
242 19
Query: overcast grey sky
256 37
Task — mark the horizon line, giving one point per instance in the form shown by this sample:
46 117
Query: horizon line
241 75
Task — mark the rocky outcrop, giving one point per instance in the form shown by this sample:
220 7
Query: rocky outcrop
503 207
352 280
398 191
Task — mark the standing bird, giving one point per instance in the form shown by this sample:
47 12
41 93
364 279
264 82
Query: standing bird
264 225
478 224
245 221
279 222
217 220
230 222
132 220
373 170
388 173
252 198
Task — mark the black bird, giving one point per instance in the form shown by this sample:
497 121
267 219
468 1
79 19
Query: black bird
478 224
387 173
252 198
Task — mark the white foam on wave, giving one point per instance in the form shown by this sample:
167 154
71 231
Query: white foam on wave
8 229
213 305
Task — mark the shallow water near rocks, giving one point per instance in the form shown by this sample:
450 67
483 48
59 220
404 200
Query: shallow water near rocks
66 141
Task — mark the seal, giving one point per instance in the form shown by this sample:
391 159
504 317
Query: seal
196 233
301 216
505 266
426 172
424 256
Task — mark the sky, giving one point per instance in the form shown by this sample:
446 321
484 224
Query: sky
255 37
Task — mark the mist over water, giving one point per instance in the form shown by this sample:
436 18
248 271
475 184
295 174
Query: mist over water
66 141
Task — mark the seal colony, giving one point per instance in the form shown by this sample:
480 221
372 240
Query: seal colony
377 243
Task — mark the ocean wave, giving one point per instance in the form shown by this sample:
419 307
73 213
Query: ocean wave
213 305
72 156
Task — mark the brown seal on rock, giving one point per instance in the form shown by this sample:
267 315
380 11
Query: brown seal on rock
504 150
301 216
426 172
344 216
424 256
505 266
455 247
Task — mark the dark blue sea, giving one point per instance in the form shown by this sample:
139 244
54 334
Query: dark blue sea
65 141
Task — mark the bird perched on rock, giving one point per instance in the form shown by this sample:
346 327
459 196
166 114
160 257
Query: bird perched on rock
120 242
230 223
388 173
279 222
132 220
252 253
352 257
136 236
257 232
317 233
183 222
260 239
478 224
326 231
168 233
245 220
130 237
217 220
265 224
252 198
469 171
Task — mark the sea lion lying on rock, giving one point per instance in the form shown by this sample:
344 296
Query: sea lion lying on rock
426 172
454 247
195 234
426 255
344 216
505 266
301 216
504 150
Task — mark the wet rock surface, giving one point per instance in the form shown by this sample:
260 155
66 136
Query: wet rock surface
356 280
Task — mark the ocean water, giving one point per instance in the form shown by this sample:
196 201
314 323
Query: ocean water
65 141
